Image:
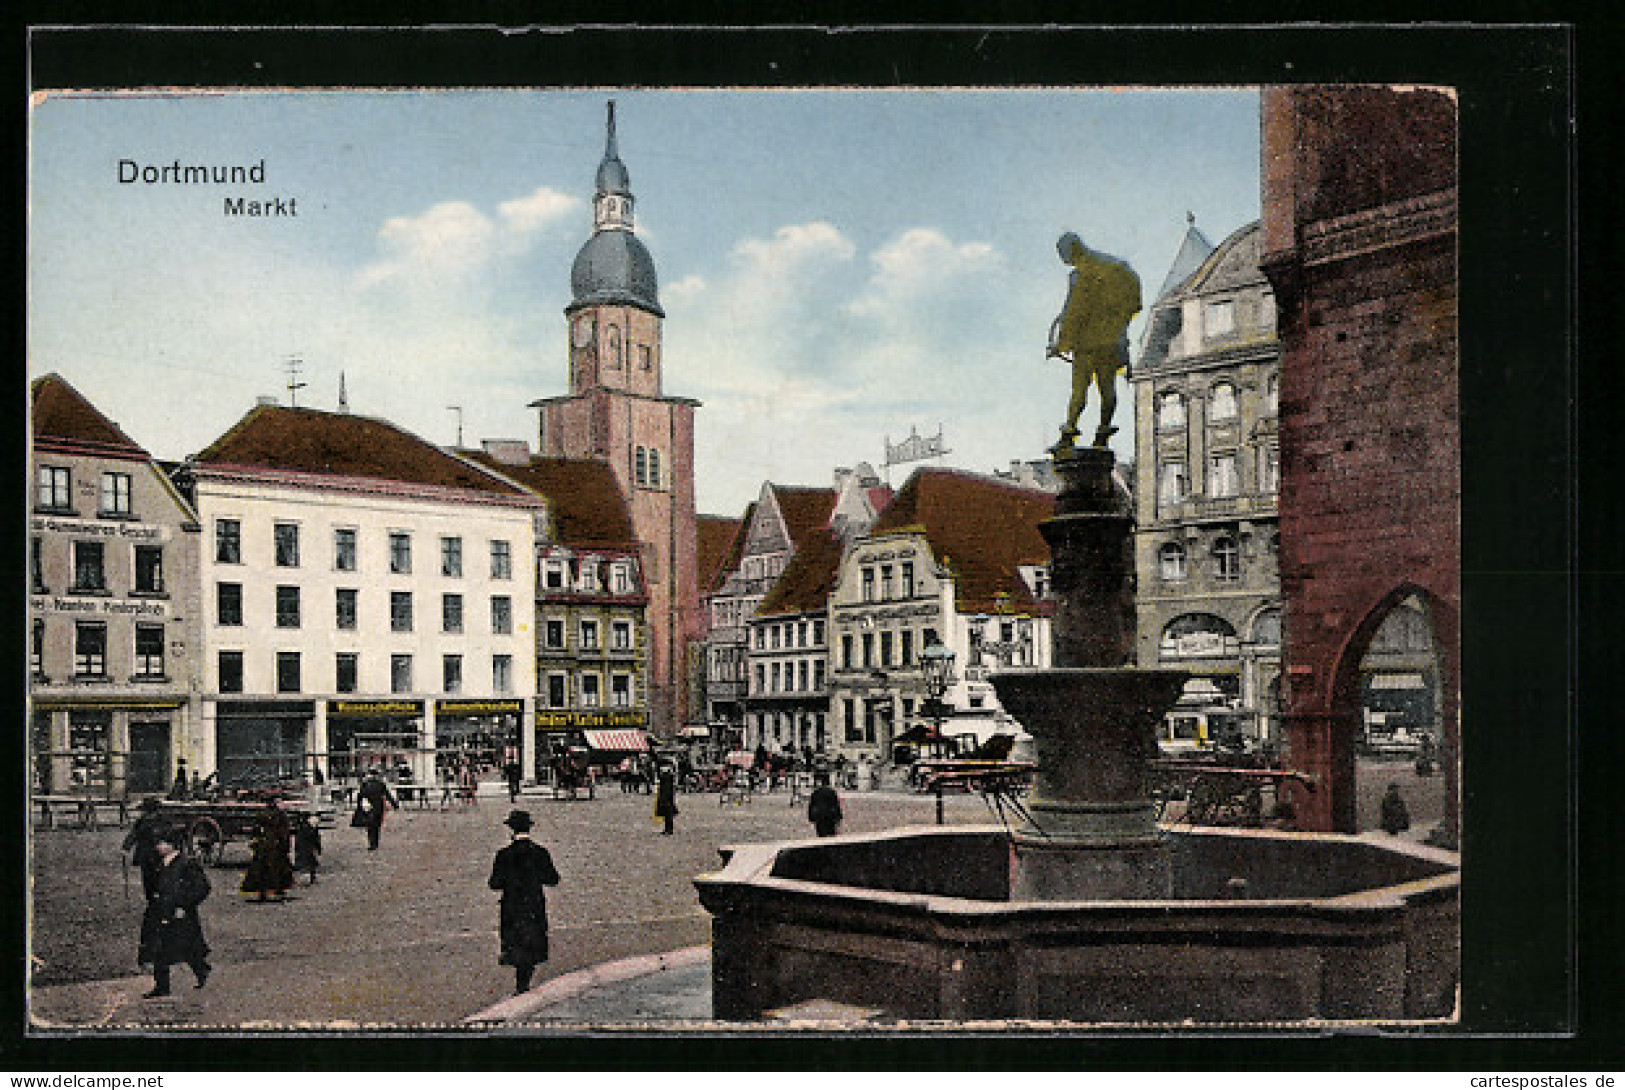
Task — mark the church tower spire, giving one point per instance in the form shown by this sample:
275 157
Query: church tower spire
612 199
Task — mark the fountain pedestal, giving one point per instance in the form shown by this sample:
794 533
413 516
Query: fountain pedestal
1093 718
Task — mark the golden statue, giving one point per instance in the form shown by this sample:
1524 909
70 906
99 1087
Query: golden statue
1092 332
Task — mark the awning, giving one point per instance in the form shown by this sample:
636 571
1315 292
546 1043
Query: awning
694 732
617 741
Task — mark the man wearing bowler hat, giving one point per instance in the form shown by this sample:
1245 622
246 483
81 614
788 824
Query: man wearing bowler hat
521 872
170 929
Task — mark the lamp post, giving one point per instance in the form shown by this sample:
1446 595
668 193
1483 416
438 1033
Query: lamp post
937 663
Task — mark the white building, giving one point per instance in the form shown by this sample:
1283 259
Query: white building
369 599
957 560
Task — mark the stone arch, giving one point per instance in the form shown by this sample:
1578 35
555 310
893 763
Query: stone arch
1343 696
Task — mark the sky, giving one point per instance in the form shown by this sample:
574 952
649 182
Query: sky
837 268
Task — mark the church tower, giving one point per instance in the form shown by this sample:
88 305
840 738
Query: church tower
616 412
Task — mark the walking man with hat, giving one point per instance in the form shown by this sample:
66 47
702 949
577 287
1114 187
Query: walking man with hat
521 872
170 930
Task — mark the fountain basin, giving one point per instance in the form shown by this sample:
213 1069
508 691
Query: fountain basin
920 924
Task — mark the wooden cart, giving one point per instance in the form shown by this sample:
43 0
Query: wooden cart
1222 795
208 825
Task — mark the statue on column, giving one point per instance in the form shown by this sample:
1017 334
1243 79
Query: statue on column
1091 332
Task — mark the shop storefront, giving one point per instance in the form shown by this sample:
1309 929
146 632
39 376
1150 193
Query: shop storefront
261 743
610 736
105 749
384 734
484 733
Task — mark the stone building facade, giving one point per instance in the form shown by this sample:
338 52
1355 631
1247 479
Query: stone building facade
113 608
1207 462
1359 241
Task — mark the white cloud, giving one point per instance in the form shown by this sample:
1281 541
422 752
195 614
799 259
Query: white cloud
923 266
452 238
684 292
791 249
539 210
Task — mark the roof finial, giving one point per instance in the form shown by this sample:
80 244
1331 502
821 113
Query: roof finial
1190 218
344 398
609 144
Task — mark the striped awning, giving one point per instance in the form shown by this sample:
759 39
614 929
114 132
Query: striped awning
617 741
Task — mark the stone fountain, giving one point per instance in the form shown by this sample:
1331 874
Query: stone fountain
1089 912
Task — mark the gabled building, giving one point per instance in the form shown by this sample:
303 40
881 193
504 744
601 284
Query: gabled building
714 538
592 632
1207 442
787 704
956 559
369 600
113 608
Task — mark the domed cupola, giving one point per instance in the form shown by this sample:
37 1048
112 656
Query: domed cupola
614 266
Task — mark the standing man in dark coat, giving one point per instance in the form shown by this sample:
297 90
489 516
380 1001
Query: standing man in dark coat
141 843
170 930
270 871
824 807
522 871
1396 816
666 799
511 771
371 799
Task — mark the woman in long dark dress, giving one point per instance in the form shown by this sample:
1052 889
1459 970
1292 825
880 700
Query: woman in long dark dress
171 931
666 799
522 871
270 870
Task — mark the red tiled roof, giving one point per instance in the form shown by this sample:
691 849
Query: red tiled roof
807 580
981 528
713 540
340 444
736 551
805 510
586 501
63 413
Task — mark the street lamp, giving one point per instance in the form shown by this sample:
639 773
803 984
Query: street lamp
937 663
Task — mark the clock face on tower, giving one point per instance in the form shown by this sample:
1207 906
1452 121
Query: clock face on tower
581 335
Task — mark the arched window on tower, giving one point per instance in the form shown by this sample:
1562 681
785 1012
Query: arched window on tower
612 344
640 471
654 468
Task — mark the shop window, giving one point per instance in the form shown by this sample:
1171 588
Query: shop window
400 673
451 673
451 613
90 737
451 556
621 635
620 691
345 608
115 494
149 651
287 545
1226 560
287 672
501 560
502 673
400 552
89 570
230 667
501 615
149 569
228 604
589 690
344 550
589 635
89 649
345 671
400 611
228 541
55 493
1171 562
287 607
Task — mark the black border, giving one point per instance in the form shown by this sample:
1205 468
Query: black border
1523 913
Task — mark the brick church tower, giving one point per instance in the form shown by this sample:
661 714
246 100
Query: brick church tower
616 412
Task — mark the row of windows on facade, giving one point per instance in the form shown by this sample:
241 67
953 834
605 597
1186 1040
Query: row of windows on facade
589 575
1222 404
790 634
90 568
805 676
1223 476
1225 559
228 549
347 672
588 689
56 492
90 652
878 585
613 347
788 729
865 728
347 612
